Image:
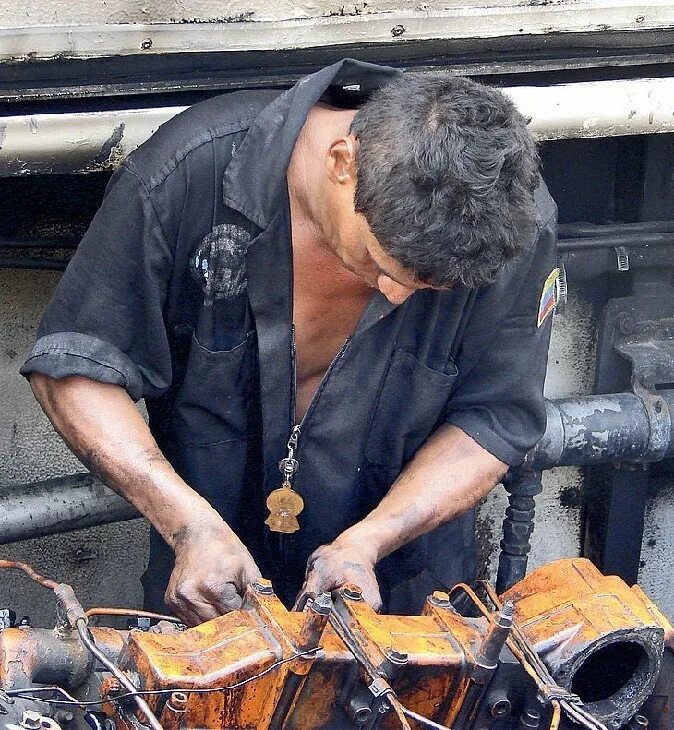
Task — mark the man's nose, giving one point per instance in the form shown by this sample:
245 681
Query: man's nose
394 292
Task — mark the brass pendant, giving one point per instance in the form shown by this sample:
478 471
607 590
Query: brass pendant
284 504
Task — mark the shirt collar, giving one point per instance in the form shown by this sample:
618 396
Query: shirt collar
255 177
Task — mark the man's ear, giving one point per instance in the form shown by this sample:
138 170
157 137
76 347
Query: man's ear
341 162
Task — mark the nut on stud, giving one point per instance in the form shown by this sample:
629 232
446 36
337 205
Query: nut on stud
263 587
352 592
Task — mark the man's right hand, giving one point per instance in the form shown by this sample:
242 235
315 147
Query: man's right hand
212 570
103 427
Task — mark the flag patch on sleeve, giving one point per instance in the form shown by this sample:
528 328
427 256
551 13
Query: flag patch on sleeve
548 300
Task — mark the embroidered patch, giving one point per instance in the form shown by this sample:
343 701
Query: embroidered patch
549 297
219 263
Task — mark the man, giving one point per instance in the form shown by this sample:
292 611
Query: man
363 294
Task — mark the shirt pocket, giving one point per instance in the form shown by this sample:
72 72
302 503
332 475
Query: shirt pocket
213 403
412 399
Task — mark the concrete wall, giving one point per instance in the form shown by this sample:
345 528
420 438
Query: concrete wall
104 564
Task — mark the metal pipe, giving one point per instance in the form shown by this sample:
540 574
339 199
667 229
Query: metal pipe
644 241
58 505
592 429
585 230
600 429
627 239
76 31
92 141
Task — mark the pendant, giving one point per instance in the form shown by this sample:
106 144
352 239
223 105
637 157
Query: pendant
284 504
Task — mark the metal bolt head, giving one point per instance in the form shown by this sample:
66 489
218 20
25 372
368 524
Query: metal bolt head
263 587
397 657
31 720
362 715
322 604
439 598
64 717
501 707
352 592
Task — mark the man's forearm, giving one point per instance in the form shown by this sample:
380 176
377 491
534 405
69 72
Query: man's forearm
105 430
449 474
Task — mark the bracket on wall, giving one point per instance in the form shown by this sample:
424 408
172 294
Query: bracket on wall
635 350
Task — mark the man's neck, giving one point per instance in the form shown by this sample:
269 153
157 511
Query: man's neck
306 170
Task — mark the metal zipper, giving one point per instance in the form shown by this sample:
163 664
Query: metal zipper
296 429
290 464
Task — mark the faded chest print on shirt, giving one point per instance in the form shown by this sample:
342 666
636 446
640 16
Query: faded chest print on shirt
219 263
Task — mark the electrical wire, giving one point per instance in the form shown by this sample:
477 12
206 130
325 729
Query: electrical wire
423 720
533 665
88 641
77 618
70 700
131 613
28 570
22 693
571 705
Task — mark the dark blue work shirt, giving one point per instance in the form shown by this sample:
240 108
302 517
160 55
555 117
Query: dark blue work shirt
181 293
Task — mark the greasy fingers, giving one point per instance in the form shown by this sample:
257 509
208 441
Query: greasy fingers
187 601
229 599
211 573
336 565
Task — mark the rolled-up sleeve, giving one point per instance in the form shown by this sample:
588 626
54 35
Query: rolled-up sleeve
499 398
105 319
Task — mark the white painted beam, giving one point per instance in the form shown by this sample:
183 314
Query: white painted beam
72 28
87 142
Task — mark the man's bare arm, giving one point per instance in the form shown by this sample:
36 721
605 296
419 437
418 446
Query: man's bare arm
449 474
105 430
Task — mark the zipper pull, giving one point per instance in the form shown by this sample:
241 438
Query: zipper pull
289 465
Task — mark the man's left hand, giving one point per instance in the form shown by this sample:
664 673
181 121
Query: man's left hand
342 562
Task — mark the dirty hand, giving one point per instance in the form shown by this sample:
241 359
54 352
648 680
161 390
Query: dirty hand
212 570
342 561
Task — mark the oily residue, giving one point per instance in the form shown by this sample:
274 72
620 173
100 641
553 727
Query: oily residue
569 497
110 146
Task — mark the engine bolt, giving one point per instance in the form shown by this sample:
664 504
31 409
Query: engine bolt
64 717
31 720
353 593
501 707
263 587
440 598
397 657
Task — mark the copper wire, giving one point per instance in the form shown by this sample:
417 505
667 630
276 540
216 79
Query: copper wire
28 570
131 613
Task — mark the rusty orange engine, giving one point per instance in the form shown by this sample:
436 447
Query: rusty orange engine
565 645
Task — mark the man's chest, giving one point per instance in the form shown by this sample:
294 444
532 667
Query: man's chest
328 302
321 326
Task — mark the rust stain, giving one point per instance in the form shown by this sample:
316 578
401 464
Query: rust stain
247 663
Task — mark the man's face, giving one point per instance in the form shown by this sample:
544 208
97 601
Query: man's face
349 236
361 253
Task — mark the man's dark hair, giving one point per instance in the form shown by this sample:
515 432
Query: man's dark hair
446 173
